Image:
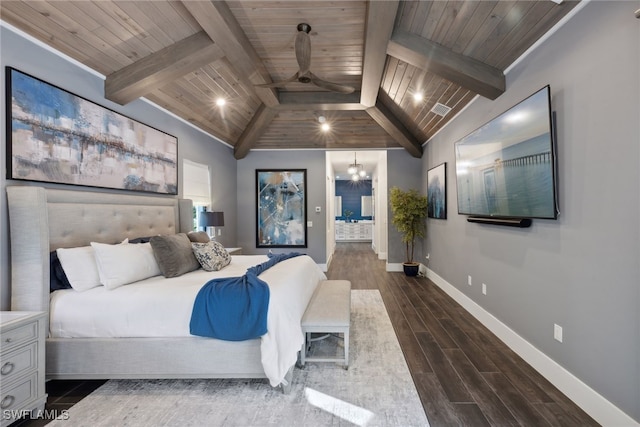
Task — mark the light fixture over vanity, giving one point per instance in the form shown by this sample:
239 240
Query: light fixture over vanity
356 170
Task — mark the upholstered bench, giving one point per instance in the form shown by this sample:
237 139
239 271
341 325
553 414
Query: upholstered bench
329 311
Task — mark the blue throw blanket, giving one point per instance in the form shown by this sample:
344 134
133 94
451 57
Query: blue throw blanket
234 308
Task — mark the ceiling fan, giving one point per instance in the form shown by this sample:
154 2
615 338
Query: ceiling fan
304 74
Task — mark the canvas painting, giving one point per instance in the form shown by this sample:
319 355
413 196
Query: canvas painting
282 209
56 136
437 192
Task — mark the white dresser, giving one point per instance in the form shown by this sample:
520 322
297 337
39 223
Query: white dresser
22 335
354 231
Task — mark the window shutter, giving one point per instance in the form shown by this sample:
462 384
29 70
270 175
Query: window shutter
196 183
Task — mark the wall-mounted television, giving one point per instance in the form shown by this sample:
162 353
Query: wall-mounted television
507 167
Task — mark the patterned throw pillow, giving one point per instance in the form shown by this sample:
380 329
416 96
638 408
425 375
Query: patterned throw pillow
212 256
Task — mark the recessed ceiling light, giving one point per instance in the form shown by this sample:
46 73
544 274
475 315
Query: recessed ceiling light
325 127
220 102
418 96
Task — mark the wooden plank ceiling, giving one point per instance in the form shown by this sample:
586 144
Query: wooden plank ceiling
184 55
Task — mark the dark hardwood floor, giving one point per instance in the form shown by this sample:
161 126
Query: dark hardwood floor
464 375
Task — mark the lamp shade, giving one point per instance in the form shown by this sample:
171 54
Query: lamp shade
212 219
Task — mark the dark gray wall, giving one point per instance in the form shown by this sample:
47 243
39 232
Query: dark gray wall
404 172
314 163
580 271
30 58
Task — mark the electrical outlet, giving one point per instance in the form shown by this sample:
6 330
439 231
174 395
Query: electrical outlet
484 289
219 231
469 280
557 332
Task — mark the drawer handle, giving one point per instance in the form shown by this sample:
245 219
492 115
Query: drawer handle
7 368
7 401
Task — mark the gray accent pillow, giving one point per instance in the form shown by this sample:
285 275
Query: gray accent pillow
212 256
198 236
174 254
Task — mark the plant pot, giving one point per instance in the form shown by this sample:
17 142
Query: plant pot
411 268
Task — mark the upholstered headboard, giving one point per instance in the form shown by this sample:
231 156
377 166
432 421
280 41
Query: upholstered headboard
42 220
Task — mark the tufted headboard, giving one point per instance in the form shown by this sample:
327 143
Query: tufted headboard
42 220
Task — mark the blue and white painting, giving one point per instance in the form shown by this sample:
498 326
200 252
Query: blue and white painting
282 211
56 136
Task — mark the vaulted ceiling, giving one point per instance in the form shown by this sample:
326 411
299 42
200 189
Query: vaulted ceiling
184 55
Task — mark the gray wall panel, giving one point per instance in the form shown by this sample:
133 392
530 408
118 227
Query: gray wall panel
404 172
314 163
580 271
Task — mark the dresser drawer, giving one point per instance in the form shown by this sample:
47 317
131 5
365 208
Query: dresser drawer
17 362
15 395
18 336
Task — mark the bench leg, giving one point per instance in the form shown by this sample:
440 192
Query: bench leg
346 349
303 351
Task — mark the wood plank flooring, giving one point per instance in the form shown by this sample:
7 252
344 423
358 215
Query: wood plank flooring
465 376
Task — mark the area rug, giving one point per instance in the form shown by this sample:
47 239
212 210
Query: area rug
376 390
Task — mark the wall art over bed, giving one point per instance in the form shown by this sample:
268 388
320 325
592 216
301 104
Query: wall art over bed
281 208
56 136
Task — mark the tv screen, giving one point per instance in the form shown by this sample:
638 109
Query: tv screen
506 168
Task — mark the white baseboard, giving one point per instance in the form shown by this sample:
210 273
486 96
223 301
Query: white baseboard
599 408
323 267
395 267
382 255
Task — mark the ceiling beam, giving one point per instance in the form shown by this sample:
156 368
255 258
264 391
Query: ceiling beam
217 20
254 130
395 129
156 70
469 73
381 16
325 101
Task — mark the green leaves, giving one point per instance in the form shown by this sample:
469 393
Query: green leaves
409 209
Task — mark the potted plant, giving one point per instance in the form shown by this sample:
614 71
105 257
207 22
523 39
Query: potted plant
347 214
409 209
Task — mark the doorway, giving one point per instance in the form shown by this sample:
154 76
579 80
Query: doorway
356 207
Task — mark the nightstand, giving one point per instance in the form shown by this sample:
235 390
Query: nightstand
234 251
22 335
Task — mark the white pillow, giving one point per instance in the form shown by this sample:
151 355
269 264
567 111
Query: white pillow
125 263
79 264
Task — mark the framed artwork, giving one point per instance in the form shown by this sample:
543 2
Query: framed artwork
281 197
57 136
437 192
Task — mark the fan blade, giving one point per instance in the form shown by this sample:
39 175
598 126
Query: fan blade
303 51
282 83
330 86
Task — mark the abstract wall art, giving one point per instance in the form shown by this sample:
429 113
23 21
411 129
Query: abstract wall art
281 208
437 192
56 136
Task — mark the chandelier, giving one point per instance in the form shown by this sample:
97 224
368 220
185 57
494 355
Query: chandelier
356 170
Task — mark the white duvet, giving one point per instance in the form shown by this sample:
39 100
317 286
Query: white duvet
161 307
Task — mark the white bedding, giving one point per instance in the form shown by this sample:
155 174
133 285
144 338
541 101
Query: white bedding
161 307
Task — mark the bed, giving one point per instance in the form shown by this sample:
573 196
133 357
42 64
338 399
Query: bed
43 220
